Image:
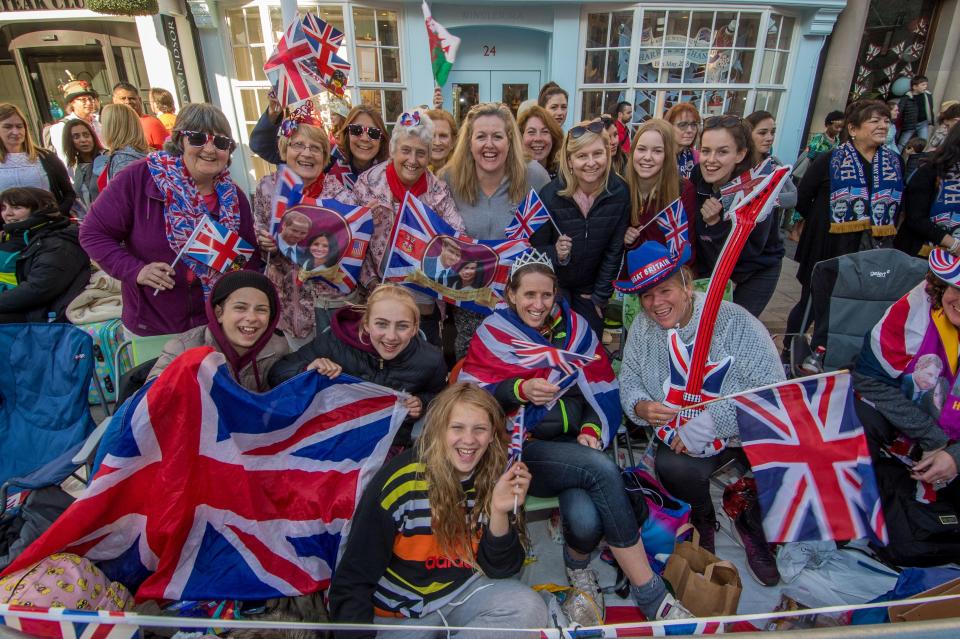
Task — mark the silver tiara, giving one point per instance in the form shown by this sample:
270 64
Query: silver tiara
533 256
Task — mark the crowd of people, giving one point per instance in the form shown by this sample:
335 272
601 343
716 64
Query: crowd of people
123 190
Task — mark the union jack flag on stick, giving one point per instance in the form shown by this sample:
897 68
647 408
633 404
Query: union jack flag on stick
205 490
216 246
673 222
326 41
814 475
531 214
292 68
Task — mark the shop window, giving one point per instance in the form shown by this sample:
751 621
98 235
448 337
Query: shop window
708 58
893 46
378 45
246 39
608 47
253 102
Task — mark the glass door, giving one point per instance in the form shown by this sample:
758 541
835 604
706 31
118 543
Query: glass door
514 87
463 90
51 67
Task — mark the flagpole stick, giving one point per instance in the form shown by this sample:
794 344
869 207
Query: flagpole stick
768 387
196 230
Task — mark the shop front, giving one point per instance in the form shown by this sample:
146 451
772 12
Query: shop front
46 43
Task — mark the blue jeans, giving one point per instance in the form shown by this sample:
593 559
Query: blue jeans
593 502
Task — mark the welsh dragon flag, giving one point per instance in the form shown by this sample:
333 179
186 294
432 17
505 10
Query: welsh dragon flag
443 47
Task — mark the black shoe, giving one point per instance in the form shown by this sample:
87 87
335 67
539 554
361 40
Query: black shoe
761 562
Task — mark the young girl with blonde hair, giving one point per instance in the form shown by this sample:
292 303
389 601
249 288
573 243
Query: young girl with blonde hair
432 541
380 343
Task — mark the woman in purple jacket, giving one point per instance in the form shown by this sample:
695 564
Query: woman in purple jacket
140 223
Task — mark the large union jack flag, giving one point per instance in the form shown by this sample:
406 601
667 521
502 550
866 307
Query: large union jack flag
288 192
673 222
531 214
493 358
808 453
66 623
417 225
216 246
206 490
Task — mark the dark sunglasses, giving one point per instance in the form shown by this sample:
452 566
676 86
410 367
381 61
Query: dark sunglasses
198 139
717 121
579 131
356 130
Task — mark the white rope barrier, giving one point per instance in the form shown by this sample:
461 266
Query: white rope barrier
134 619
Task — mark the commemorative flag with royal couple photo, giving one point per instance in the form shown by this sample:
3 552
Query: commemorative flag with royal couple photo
326 239
203 489
427 255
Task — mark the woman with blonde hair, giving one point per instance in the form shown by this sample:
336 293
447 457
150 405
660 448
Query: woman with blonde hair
305 149
444 138
161 103
124 140
433 540
379 342
489 178
654 182
590 208
541 136
23 163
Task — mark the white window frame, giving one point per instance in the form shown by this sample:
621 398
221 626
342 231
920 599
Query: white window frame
632 86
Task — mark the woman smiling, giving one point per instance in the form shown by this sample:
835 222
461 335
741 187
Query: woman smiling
541 137
591 207
383 189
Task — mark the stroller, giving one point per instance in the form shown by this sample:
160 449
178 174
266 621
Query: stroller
848 295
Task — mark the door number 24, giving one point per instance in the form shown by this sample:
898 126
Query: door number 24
489 51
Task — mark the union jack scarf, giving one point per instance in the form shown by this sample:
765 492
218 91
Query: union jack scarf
183 208
493 357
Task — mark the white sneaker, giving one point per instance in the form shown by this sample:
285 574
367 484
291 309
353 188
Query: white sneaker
584 603
670 608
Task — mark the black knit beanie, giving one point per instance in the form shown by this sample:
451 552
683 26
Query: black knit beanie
244 279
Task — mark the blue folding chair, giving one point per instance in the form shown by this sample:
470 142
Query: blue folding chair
45 420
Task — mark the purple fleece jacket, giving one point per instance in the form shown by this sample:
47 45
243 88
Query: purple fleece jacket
124 231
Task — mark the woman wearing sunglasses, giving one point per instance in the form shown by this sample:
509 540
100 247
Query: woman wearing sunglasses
686 124
140 224
383 189
362 141
726 151
489 178
590 205
305 148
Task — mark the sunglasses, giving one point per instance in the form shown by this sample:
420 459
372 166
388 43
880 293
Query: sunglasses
199 138
716 121
579 131
356 130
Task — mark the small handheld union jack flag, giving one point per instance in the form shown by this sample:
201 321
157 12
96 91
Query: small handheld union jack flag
517 434
216 246
532 355
673 222
531 215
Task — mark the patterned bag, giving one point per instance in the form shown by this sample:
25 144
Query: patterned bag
63 580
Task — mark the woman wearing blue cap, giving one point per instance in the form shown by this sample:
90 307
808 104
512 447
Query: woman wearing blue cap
664 282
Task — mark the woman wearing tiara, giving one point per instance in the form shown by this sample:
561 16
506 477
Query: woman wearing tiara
569 416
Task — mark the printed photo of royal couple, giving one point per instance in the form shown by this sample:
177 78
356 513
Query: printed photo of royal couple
313 238
926 385
458 265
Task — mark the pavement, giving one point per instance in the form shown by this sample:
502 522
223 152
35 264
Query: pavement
774 316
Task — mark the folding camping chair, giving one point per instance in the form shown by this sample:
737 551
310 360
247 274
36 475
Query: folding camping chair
46 427
848 295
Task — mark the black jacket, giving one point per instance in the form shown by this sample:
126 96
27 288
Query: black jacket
764 247
51 270
597 250
263 138
916 227
60 184
419 369
915 109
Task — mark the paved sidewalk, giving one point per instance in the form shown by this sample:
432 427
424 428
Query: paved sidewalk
774 317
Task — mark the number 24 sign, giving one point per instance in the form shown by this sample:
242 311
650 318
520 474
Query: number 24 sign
489 51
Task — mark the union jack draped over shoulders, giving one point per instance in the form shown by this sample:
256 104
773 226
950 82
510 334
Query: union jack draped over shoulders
416 226
205 490
807 449
494 356
896 338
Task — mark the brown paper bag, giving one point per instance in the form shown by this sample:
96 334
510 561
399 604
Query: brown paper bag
706 585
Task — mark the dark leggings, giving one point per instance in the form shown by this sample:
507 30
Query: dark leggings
754 292
688 478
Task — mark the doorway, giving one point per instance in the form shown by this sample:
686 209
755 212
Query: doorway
467 88
49 68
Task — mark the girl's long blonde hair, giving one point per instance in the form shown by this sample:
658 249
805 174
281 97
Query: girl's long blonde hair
667 187
121 127
387 291
454 530
570 146
463 170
